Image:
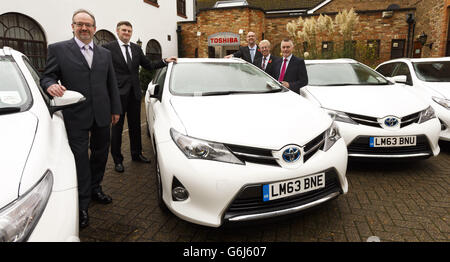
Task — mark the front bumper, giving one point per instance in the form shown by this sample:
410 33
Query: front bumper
213 186
59 222
443 115
357 136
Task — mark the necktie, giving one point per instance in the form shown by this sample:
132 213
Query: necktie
87 54
264 63
283 70
128 56
252 53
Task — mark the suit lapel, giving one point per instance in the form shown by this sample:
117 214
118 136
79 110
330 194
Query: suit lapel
75 49
96 56
119 52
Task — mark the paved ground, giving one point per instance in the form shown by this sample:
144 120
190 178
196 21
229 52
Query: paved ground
395 201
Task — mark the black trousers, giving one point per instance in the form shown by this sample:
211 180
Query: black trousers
90 169
132 108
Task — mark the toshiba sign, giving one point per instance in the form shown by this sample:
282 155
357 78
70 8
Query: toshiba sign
224 39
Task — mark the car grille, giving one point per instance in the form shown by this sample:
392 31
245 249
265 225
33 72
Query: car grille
373 121
250 200
361 146
265 157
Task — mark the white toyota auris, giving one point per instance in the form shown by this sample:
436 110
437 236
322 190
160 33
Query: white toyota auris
38 184
428 78
376 118
232 144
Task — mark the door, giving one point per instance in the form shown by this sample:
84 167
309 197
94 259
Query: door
397 48
417 51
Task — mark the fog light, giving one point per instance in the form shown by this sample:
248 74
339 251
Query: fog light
180 193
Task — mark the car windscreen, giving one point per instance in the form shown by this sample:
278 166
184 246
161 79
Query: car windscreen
438 71
341 74
213 78
14 92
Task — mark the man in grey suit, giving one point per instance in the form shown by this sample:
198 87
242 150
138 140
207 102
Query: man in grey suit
127 57
80 65
250 52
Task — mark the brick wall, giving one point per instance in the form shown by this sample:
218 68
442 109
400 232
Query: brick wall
431 18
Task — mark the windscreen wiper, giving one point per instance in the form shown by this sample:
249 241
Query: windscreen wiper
219 93
7 110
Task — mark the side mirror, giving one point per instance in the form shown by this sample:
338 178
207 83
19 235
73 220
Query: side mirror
69 99
155 91
400 79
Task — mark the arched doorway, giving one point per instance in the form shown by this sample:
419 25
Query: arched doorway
25 35
153 50
102 37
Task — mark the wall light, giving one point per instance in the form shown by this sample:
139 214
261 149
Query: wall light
423 39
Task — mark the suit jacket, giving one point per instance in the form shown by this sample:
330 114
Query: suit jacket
244 53
128 78
269 64
295 74
66 63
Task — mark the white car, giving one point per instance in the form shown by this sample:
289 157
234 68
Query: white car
231 144
428 78
38 183
376 118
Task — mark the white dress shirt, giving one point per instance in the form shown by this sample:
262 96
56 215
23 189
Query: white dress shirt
122 47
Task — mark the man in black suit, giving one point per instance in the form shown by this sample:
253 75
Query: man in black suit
80 65
267 60
127 57
290 70
250 52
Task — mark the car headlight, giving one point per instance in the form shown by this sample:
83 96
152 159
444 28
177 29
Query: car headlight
442 101
18 219
340 116
426 115
331 136
195 148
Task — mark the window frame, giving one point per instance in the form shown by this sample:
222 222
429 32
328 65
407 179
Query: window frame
181 8
152 2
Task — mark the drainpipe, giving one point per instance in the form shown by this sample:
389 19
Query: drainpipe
411 26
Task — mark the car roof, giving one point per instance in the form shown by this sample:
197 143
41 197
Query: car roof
418 60
331 61
8 51
211 60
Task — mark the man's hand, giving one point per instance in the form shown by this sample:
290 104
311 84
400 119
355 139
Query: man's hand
171 59
115 119
56 90
229 56
285 84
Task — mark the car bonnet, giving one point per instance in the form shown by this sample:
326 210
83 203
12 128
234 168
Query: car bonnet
259 120
17 133
375 101
442 88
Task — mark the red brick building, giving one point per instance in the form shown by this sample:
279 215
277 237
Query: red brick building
394 26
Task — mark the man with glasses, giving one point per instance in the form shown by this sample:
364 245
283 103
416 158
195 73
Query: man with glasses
250 52
267 60
80 65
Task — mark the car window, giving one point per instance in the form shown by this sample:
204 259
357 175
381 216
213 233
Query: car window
36 77
386 69
160 79
403 70
212 78
438 71
15 95
338 74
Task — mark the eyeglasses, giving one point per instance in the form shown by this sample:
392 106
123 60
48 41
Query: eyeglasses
79 24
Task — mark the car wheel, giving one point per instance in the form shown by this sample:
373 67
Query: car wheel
159 187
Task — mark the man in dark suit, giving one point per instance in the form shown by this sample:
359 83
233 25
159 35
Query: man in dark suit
267 60
250 52
127 57
80 65
290 70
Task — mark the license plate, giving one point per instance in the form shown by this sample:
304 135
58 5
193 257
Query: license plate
392 141
293 187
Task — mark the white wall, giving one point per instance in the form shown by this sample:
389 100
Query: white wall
149 22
